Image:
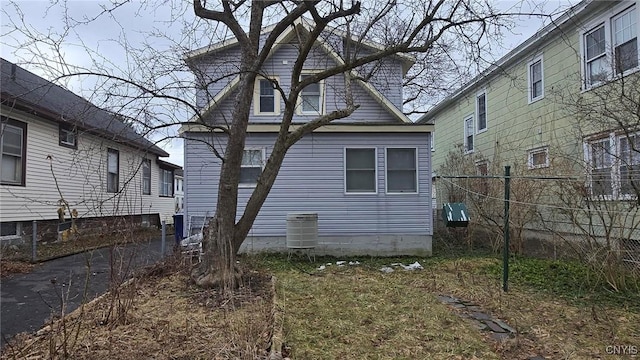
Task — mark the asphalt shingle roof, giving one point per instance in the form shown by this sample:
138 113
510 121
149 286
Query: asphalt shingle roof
39 96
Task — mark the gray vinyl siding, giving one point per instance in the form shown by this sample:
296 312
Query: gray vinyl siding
312 180
217 71
388 81
370 111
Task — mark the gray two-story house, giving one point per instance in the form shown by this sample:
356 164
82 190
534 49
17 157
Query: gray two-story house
367 176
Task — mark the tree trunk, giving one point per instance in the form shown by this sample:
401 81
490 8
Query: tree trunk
218 268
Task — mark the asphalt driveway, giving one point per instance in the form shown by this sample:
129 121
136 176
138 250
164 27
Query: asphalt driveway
27 301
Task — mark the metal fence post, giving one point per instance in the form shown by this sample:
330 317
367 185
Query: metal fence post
34 241
164 237
505 252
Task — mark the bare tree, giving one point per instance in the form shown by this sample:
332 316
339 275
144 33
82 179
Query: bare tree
603 210
439 35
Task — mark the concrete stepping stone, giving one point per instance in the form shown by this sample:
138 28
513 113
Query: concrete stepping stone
480 316
503 325
495 327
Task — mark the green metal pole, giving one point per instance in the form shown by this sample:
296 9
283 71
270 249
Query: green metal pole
505 252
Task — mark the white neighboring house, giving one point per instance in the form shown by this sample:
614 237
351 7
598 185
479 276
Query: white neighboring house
57 147
178 191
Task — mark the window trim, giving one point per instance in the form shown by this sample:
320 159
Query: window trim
18 233
144 178
299 109
117 153
477 129
386 171
344 170
23 156
262 163
484 182
64 128
433 141
605 21
256 97
467 135
537 150
530 65
161 171
613 138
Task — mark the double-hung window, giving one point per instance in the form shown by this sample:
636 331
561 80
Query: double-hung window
601 161
360 170
614 164
625 41
13 152
146 177
629 165
468 134
535 79
113 170
595 56
311 100
402 174
610 47
166 182
266 98
481 110
251 167
482 169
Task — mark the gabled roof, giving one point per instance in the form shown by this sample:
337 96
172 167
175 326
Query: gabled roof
283 39
28 92
534 42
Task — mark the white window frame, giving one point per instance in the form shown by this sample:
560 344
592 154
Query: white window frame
484 182
256 97
321 100
467 134
68 132
613 139
386 169
606 22
146 176
530 66
483 92
433 141
18 233
532 152
262 163
117 172
163 185
344 170
21 158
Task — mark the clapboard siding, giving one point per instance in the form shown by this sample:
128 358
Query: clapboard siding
312 180
214 72
81 177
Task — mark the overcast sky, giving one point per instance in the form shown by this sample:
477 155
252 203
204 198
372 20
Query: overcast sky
85 25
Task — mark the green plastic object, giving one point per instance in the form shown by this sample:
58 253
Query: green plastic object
455 215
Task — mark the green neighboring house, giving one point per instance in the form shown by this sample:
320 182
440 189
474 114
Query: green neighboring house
563 103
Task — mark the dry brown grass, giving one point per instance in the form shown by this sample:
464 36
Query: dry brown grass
170 319
340 313
553 327
362 313
357 313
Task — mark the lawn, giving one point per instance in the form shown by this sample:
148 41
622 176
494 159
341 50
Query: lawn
351 311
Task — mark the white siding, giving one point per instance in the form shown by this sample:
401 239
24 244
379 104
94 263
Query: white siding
81 177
